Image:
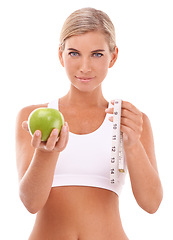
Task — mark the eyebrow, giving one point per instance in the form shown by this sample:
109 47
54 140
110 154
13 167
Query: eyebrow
97 50
72 49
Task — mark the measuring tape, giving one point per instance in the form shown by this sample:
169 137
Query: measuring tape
117 154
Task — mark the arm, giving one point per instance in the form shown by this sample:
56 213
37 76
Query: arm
36 161
140 157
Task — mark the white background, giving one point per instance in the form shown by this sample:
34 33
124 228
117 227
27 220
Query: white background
31 74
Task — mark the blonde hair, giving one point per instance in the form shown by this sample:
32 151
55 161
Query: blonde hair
86 20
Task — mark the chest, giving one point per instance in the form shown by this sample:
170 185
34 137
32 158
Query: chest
84 121
87 154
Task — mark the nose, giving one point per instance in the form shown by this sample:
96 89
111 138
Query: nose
85 65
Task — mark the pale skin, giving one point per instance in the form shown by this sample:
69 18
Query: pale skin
77 212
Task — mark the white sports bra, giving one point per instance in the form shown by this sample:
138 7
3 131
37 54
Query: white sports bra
86 159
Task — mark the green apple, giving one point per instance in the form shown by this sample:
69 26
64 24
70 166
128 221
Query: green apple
45 120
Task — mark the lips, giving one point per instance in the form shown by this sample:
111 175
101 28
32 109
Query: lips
84 79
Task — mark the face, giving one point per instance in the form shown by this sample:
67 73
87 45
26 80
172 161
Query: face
86 59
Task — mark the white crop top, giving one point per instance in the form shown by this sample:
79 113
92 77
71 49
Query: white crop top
86 159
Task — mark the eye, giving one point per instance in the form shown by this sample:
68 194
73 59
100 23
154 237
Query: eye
97 55
73 54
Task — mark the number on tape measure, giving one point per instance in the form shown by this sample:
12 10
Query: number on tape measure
117 156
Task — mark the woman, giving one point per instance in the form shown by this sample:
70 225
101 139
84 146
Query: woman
66 180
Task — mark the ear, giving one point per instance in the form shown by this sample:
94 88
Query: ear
114 57
60 53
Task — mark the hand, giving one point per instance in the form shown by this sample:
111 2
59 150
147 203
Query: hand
131 123
53 143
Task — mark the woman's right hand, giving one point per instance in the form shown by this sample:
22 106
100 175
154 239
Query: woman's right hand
54 143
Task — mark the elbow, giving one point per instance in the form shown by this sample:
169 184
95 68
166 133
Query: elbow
152 204
156 204
31 209
30 204
152 208
157 199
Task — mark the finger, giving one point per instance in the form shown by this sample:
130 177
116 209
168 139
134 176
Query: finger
130 124
52 140
127 131
66 137
130 107
112 102
36 139
111 118
109 110
25 126
138 119
129 136
63 139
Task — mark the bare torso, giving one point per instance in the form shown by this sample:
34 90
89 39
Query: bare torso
79 213
75 212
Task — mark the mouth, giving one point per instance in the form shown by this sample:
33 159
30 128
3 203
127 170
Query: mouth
84 79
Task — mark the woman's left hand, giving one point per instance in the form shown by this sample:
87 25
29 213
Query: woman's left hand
131 123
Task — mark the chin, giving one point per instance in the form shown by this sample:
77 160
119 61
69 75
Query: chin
86 89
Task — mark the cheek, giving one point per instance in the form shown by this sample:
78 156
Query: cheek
69 66
67 63
103 67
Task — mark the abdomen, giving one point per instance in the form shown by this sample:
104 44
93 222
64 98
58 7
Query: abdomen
79 213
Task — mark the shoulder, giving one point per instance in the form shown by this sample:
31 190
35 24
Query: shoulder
146 122
147 134
24 113
147 140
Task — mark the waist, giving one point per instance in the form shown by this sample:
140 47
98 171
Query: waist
74 212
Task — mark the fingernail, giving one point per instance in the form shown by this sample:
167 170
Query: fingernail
107 110
63 129
37 133
55 131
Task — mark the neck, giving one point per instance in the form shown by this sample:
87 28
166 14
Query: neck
85 99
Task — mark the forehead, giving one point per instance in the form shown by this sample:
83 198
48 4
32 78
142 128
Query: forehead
88 41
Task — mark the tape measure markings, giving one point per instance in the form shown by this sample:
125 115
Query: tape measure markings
117 154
